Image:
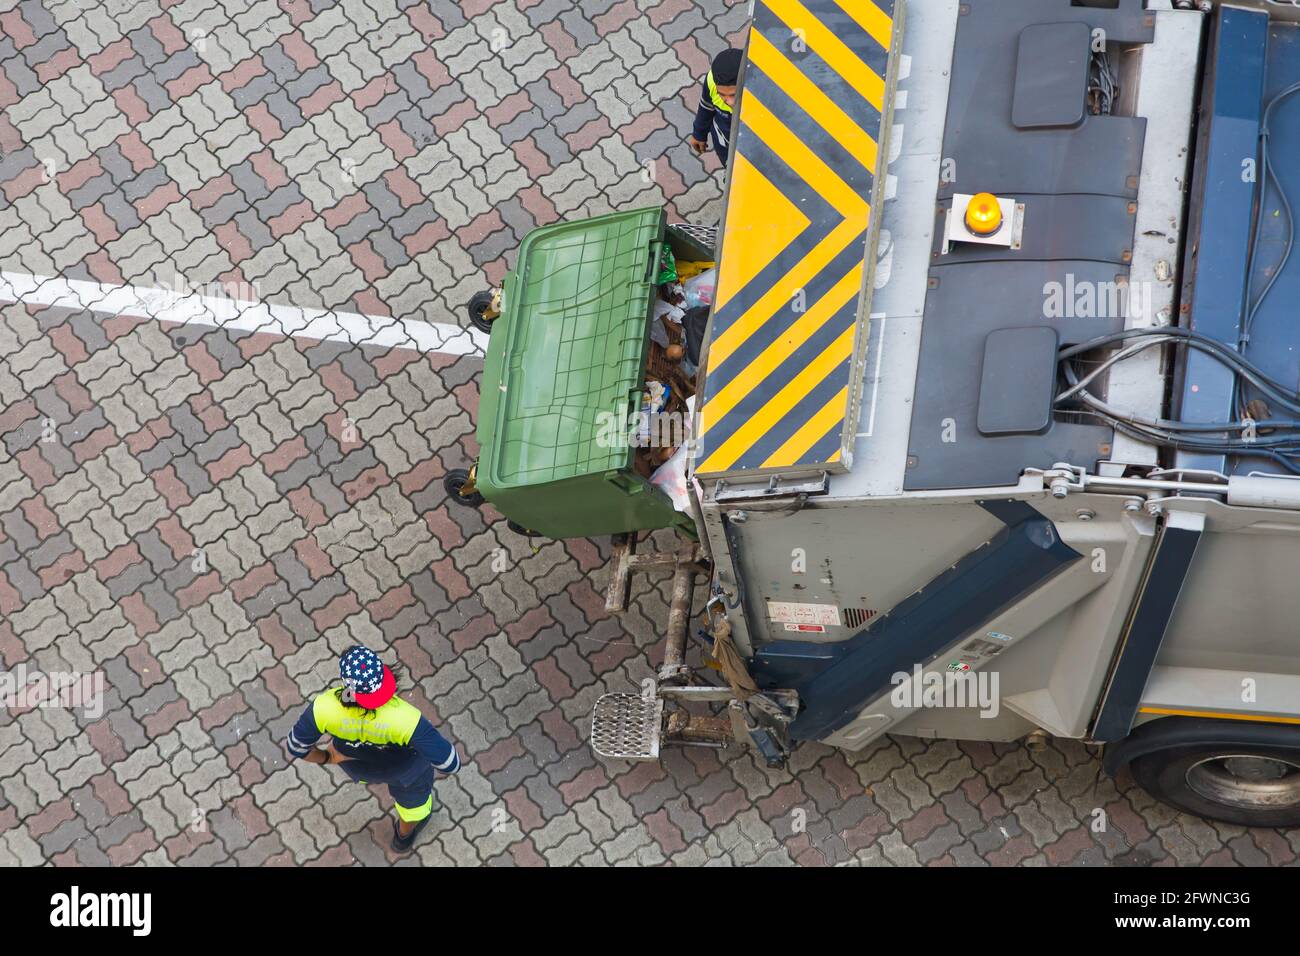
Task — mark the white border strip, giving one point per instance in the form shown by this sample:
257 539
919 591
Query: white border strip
237 315
875 388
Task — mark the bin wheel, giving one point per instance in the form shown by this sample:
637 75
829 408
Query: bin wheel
1246 785
454 483
480 311
520 529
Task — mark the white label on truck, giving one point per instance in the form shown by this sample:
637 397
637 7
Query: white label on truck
786 612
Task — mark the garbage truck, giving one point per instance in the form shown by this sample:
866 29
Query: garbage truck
996 419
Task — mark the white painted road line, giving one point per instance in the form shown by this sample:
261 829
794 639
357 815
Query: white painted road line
237 315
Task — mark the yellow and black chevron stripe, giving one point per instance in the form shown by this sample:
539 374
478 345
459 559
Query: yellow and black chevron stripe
809 144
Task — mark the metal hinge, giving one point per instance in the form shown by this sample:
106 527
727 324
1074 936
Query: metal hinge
726 490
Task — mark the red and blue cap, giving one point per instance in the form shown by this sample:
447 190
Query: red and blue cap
365 675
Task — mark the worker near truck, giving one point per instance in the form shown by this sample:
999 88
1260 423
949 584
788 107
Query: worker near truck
377 738
717 102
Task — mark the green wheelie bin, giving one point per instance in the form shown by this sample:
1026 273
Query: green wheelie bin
567 358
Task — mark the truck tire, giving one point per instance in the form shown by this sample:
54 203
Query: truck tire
1248 785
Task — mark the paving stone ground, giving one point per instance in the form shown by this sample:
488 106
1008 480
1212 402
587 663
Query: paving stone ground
208 517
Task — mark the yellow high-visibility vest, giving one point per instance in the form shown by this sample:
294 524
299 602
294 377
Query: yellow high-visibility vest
714 95
391 723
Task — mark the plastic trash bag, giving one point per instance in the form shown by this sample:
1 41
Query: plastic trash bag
696 324
667 267
701 289
686 270
670 477
658 334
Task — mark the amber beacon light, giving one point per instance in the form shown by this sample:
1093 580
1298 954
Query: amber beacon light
984 215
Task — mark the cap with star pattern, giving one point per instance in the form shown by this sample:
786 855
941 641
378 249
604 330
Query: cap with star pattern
366 676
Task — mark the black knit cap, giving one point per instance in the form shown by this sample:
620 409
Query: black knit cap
726 67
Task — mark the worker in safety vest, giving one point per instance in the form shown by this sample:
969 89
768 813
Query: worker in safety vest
377 738
717 101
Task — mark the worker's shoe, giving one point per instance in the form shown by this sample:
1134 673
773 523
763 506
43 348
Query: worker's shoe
403 844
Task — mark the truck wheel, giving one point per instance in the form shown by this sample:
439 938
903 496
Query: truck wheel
1250 785
478 309
453 482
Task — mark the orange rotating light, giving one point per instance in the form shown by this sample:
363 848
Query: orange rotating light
984 215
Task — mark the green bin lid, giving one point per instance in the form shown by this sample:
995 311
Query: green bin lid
570 344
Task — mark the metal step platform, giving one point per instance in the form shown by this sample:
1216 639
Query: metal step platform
627 726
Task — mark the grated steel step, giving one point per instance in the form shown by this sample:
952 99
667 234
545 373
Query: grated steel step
627 726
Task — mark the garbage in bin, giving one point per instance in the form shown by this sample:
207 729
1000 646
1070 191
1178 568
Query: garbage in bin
653 402
700 289
670 477
658 331
667 267
688 270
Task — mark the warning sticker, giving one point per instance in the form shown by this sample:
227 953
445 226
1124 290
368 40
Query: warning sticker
785 612
806 628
